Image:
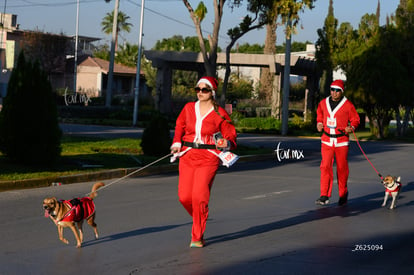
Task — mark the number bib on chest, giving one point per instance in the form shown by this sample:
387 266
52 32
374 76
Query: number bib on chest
331 123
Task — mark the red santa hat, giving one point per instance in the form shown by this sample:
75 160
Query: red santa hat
211 82
339 84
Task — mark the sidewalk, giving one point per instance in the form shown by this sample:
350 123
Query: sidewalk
112 132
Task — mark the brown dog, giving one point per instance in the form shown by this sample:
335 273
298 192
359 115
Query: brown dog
71 213
392 187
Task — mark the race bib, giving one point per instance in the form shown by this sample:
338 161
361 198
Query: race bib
228 158
331 123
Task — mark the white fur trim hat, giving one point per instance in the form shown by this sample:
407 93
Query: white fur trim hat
211 82
338 84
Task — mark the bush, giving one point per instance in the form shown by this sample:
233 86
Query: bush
267 123
297 123
238 89
30 132
156 139
236 117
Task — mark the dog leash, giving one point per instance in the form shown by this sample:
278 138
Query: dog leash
359 145
130 174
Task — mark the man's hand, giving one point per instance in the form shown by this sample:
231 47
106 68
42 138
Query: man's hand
319 126
349 129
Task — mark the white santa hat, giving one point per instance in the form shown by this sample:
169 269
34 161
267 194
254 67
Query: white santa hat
211 82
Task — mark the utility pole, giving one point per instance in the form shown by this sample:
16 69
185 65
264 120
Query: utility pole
138 73
112 56
2 50
286 80
75 69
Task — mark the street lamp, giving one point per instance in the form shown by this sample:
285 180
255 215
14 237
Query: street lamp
75 69
3 33
137 78
286 80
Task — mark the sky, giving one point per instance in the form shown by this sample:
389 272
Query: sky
165 18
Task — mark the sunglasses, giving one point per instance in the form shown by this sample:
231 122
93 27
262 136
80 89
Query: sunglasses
336 90
203 90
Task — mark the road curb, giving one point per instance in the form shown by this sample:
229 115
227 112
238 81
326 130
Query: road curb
107 174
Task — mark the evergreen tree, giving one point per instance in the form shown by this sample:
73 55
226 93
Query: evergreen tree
405 26
30 132
325 49
378 81
156 139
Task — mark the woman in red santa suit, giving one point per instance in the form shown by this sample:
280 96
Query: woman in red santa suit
336 117
204 134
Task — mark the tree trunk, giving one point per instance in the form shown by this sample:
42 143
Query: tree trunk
210 59
226 75
271 92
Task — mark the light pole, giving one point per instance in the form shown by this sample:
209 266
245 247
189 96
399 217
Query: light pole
75 69
137 78
286 81
112 56
3 89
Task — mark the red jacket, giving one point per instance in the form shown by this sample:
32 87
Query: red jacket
80 209
334 121
191 127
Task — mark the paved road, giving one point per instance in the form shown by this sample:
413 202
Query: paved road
263 220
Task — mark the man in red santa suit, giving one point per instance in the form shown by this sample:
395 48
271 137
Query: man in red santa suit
336 117
204 134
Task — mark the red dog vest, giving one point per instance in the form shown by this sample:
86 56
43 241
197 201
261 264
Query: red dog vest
80 209
395 188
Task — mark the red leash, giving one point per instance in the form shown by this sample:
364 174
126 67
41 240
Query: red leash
366 155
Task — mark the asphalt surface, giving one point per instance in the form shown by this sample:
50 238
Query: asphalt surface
263 220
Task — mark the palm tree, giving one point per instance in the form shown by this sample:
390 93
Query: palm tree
127 55
122 25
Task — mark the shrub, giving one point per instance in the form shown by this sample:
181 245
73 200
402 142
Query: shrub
268 123
236 117
156 139
297 123
30 132
238 89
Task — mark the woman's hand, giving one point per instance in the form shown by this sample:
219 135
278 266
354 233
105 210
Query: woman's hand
222 143
175 149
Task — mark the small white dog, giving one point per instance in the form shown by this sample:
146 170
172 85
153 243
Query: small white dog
392 187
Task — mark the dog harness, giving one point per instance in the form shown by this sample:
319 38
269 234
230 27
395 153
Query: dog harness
395 188
80 209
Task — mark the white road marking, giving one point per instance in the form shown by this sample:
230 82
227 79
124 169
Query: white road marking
266 195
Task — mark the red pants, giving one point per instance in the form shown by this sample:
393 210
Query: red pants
197 170
342 171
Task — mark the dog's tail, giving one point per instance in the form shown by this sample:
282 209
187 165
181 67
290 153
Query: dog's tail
95 187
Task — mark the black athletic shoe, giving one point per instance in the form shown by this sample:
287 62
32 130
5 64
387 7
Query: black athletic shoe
323 200
343 200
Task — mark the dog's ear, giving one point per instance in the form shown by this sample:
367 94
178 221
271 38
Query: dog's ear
50 200
398 179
